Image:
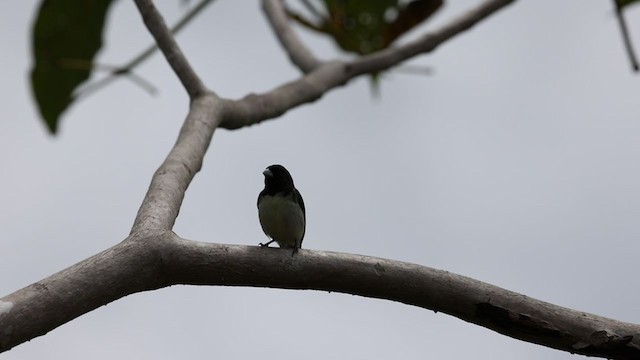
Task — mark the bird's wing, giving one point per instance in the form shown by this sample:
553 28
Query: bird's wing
300 202
261 195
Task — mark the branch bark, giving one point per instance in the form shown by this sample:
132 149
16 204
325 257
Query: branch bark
162 202
153 257
256 108
299 54
160 259
167 44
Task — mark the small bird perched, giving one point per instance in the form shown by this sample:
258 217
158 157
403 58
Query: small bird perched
281 209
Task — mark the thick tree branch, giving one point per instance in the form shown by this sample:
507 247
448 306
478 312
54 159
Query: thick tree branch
501 310
254 108
167 44
129 267
154 260
162 202
299 54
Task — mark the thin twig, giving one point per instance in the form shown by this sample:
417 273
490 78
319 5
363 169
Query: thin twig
127 68
142 83
297 51
186 19
625 37
115 72
312 9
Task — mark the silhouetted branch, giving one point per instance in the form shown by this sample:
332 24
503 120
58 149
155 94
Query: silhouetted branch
152 260
256 108
127 69
624 29
297 51
169 47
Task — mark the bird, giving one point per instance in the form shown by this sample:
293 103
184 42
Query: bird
281 209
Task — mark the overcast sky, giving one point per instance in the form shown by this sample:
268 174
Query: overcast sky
517 162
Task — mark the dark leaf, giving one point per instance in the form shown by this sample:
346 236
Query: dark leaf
409 16
623 3
365 26
67 34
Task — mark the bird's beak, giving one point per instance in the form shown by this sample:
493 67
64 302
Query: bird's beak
267 173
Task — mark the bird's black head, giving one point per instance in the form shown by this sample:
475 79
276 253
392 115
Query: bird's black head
277 178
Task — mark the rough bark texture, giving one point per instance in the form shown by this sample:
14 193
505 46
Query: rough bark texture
162 259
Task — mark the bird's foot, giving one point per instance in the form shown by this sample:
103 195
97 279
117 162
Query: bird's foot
266 244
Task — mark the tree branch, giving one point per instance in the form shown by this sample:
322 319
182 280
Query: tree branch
162 202
253 108
160 259
626 39
129 267
428 42
501 310
167 44
299 54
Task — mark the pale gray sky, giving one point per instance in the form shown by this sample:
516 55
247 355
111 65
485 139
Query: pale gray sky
516 163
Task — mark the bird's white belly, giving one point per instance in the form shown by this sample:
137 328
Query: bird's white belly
282 220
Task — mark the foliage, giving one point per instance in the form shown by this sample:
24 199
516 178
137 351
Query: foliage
67 35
